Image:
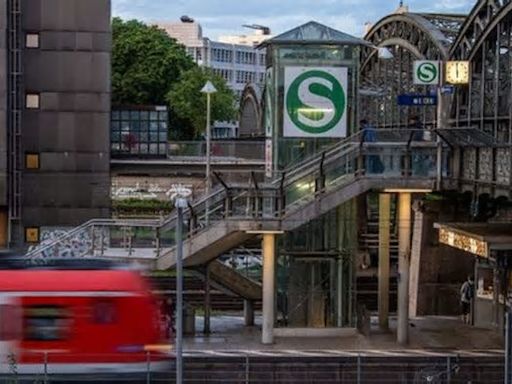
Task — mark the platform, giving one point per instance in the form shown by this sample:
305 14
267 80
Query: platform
428 336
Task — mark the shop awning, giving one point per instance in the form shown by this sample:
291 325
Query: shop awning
479 239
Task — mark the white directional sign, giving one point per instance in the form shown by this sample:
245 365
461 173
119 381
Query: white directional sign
426 72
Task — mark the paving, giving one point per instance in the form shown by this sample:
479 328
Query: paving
429 336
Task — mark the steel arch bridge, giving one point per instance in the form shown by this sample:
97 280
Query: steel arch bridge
485 40
410 37
484 37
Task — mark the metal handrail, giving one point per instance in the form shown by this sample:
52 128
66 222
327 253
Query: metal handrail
90 224
348 149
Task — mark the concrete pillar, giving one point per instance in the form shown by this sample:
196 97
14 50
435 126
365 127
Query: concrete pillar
248 313
404 251
384 234
269 259
339 294
207 301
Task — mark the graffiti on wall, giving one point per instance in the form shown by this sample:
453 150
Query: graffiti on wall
152 187
70 243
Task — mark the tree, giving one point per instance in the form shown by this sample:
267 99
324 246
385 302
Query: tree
146 61
189 104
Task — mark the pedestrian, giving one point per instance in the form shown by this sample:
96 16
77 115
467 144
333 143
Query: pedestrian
373 162
466 298
416 128
368 131
420 161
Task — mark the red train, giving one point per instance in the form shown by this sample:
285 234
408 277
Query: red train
80 319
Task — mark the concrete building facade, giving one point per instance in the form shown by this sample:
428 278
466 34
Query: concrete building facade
55 169
239 64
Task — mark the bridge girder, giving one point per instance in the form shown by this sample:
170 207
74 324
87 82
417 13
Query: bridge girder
485 103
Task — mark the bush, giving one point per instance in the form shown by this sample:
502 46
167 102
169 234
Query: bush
141 207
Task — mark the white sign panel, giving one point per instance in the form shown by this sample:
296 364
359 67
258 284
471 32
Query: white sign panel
315 102
426 72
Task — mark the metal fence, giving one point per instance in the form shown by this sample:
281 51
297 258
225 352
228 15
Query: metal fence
239 369
238 149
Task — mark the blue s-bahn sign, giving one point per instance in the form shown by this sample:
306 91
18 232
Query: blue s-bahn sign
417 100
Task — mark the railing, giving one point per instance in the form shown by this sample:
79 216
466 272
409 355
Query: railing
248 150
267 367
389 154
247 262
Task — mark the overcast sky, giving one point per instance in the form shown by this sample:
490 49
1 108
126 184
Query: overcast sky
219 17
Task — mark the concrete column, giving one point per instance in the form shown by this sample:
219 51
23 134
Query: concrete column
404 251
384 234
248 313
207 301
339 293
269 259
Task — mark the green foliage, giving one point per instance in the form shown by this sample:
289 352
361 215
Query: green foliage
141 207
151 68
145 63
189 104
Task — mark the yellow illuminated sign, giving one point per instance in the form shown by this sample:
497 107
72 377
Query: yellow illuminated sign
457 72
463 242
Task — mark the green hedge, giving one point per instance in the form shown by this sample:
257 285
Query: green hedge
138 206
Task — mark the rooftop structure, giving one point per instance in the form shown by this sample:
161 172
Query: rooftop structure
315 33
259 36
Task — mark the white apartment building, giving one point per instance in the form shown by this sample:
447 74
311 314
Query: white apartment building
238 64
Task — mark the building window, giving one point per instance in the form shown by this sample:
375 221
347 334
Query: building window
32 40
32 161
139 132
32 235
32 101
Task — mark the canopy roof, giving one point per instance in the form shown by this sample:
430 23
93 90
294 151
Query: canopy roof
314 33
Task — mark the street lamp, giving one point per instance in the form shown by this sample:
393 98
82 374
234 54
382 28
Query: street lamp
181 204
209 89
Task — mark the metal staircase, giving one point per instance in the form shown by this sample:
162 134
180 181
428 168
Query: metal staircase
292 198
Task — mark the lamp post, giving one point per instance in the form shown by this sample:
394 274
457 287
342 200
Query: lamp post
209 89
181 204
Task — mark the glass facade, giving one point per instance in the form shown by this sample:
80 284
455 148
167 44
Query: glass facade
316 263
291 150
139 131
315 272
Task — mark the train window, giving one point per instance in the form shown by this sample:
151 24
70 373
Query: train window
46 323
104 312
9 322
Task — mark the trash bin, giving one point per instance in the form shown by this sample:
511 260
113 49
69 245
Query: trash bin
189 320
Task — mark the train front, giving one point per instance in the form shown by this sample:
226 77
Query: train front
71 321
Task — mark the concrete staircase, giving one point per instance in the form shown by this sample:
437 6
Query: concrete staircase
209 244
219 222
235 281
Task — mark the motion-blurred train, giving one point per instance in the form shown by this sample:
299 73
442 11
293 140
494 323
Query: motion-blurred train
78 317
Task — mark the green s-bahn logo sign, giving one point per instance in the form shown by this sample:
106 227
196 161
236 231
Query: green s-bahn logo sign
315 102
426 72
